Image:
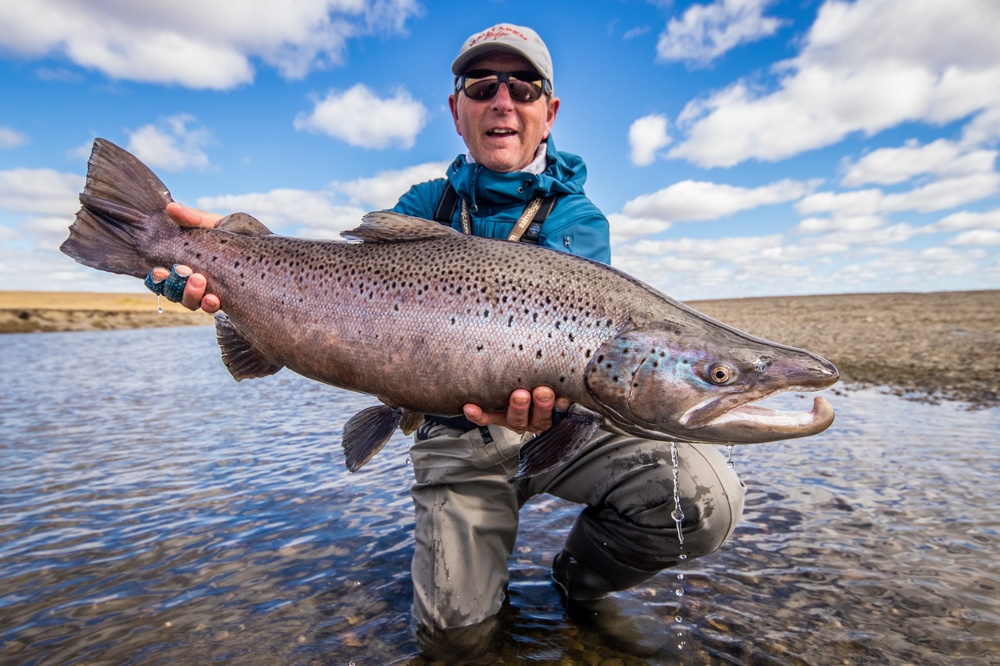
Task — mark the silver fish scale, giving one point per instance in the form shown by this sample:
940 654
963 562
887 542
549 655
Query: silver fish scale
396 317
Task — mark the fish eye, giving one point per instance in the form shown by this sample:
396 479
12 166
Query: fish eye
720 374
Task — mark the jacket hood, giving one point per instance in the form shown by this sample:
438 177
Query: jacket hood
565 174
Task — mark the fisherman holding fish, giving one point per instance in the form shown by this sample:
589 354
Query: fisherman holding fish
513 184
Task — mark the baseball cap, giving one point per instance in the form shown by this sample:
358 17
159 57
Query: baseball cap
516 39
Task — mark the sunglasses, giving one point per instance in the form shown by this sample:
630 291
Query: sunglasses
483 84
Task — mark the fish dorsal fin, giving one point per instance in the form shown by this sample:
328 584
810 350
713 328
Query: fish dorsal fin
242 223
241 359
387 227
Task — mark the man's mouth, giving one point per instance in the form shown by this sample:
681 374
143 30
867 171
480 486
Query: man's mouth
501 132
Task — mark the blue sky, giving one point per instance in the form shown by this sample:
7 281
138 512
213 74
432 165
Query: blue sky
738 147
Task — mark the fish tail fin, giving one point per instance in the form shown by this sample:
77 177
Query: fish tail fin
123 212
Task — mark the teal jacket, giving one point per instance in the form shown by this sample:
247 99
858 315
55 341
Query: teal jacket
496 200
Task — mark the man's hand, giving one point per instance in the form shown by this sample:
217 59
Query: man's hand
194 290
526 411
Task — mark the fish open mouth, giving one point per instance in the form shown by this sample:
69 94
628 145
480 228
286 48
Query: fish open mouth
775 418
752 423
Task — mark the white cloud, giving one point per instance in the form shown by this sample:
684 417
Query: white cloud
40 192
938 195
854 223
699 200
866 66
170 145
706 32
383 189
968 220
979 237
322 214
624 227
646 137
194 43
281 208
360 118
889 166
11 138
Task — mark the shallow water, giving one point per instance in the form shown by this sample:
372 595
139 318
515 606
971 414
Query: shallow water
153 511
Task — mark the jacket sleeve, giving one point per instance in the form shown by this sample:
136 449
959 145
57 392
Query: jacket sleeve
421 200
577 226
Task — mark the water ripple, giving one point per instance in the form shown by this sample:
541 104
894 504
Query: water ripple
154 511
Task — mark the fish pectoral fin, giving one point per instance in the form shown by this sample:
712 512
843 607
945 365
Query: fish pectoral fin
558 444
366 433
387 227
240 357
242 223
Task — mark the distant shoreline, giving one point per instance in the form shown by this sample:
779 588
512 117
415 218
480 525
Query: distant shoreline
943 345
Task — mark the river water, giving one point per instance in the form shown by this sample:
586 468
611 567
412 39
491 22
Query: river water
154 511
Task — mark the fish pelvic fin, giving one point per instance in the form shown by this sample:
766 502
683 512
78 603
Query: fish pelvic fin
240 357
123 209
558 444
366 433
387 227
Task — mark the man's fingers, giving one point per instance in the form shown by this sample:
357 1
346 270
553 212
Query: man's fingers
518 410
192 217
543 399
194 291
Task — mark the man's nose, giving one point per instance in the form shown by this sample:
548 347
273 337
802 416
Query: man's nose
502 100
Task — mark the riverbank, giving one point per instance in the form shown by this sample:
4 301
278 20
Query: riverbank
933 346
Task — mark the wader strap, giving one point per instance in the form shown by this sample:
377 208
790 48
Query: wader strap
445 211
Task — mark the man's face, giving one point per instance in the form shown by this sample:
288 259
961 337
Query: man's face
502 134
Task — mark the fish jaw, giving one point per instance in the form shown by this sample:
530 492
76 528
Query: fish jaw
750 423
652 385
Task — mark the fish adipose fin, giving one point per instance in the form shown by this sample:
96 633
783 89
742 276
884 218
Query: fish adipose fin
241 359
367 432
385 227
123 208
558 444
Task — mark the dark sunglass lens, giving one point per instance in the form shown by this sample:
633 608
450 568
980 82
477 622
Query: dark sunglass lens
483 85
524 91
481 88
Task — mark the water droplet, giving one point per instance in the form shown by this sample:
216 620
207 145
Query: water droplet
677 514
679 591
729 461
408 461
680 576
159 307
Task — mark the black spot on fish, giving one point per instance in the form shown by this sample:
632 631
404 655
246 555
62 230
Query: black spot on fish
538 354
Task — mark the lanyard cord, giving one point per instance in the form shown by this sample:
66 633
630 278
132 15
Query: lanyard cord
522 222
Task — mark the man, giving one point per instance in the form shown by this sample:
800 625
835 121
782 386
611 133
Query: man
513 184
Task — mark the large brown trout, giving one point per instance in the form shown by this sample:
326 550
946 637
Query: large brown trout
427 319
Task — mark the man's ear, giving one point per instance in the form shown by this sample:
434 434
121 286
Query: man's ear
453 105
550 117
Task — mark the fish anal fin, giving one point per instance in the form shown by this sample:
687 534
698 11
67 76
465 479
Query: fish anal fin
387 227
558 444
366 433
241 359
242 223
